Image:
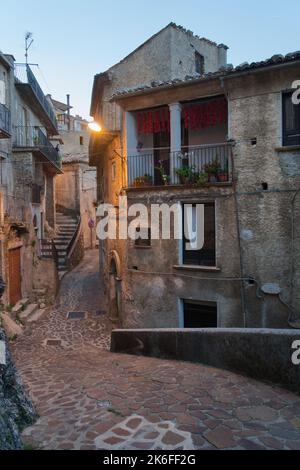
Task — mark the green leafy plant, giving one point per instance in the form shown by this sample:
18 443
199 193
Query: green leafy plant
165 178
187 174
202 179
213 167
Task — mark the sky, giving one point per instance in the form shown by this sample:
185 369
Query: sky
75 39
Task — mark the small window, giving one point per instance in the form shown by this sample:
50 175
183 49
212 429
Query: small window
206 256
199 314
143 243
113 171
291 120
199 63
81 140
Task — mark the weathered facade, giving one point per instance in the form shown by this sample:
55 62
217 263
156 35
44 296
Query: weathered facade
76 187
247 273
29 164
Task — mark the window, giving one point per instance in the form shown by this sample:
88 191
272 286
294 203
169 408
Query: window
206 256
199 314
291 120
143 243
81 140
199 63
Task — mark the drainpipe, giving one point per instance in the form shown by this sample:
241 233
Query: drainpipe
68 112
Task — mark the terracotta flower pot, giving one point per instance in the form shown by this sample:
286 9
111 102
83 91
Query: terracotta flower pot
222 177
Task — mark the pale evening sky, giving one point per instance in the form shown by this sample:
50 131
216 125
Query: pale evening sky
75 39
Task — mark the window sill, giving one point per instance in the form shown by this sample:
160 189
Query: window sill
142 247
191 267
288 148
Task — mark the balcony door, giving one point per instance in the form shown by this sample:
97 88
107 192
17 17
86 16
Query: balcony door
161 144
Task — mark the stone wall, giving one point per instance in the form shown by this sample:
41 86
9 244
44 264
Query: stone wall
262 354
168 55
45 277
16 411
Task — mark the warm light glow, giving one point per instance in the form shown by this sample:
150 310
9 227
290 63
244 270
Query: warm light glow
94 126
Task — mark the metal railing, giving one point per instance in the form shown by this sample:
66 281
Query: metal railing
4 118
213 161
33 138
24 74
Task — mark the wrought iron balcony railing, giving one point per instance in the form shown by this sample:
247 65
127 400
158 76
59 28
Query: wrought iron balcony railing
4 121
25 76
192 166
29 137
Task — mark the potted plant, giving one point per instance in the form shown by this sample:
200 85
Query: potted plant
202 179
212 170
145 180
223 174
187 174
165 178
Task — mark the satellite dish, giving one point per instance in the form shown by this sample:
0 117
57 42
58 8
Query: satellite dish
271 289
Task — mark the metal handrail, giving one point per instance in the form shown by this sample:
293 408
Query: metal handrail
142 168
24 74
33 137
74 238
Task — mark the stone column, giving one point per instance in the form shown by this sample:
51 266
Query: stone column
175 139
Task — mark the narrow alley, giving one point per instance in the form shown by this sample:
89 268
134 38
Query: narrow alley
90 398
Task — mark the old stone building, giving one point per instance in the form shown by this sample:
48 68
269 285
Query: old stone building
29 164
228 140
76 187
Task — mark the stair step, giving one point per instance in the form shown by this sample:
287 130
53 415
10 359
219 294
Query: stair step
28 311
36 315
20 306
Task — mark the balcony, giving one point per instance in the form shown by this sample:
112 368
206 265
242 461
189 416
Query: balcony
4 122
32 93
196 166
32 139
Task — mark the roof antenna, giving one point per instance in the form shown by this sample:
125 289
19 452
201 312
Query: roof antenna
28 43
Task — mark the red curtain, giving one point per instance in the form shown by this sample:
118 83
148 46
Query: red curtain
210 113
153 122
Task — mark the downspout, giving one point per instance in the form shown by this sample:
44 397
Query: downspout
233 179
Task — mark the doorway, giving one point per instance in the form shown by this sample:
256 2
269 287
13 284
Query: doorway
199 314
14 273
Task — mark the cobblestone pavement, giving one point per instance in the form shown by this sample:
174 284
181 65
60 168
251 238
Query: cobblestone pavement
89 398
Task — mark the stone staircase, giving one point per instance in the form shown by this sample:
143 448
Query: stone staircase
66 227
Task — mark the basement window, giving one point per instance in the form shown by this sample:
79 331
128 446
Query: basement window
142 242
198 314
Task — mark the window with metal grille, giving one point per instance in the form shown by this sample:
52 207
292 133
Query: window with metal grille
206 256
291 120
198 314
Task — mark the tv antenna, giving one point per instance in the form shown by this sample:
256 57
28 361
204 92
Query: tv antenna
28 43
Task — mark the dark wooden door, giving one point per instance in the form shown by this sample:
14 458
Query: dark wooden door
14 260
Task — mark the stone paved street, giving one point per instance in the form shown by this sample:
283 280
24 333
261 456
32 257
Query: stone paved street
89 398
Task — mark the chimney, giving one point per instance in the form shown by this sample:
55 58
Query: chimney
68 112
